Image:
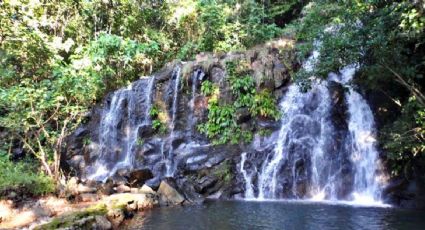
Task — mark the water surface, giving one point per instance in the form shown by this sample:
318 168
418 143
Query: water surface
225 215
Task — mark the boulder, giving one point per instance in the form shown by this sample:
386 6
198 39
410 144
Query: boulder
102 223
280 75
122 188
131 202
206 182
85 189
122 172
188 188
242 115
71 187
117 180
115 216
153 183
87 197
146 190
107 188
395 185
168 195
138 177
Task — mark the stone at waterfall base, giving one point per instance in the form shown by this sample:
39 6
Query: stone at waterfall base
168 195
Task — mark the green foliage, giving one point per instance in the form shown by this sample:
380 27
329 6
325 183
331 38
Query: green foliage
222 25
404 140
243 88
23 177
386 39
265 132
114 61
87 141
58 58
207 88
264 104
221 126
157 124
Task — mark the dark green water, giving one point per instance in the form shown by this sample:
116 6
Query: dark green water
223 215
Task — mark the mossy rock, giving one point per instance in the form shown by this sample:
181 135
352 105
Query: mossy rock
82 219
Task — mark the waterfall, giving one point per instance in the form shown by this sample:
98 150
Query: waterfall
147 116
312 159
196 77
176 76
119 126
361 141
169 162
302 135
249 192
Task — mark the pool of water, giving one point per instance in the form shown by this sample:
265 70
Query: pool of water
223 215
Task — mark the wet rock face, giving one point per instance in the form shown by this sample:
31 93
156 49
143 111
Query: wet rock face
119 145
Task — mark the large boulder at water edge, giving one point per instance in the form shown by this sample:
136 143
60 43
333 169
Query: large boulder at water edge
168 195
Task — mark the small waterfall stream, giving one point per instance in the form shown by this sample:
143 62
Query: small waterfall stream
249 192
361 141
169 161
119 126
197 76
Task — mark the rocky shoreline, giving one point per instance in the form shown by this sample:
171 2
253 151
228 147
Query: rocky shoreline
80 206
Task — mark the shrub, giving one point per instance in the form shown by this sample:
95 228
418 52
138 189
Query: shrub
221 126
158 123
23 177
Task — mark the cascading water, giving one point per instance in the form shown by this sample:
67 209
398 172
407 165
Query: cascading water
361 141
169 161
147 117
196 77
249 192
314 160
301 137
120 123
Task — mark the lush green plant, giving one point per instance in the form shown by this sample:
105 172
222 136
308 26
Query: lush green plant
87 141
264 104
221 126
23 177
157 120
207 88
243 88
265 132
404 140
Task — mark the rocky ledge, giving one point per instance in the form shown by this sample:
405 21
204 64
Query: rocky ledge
110 211
85 206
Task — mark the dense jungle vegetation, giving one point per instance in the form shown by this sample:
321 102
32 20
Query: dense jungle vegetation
59 58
